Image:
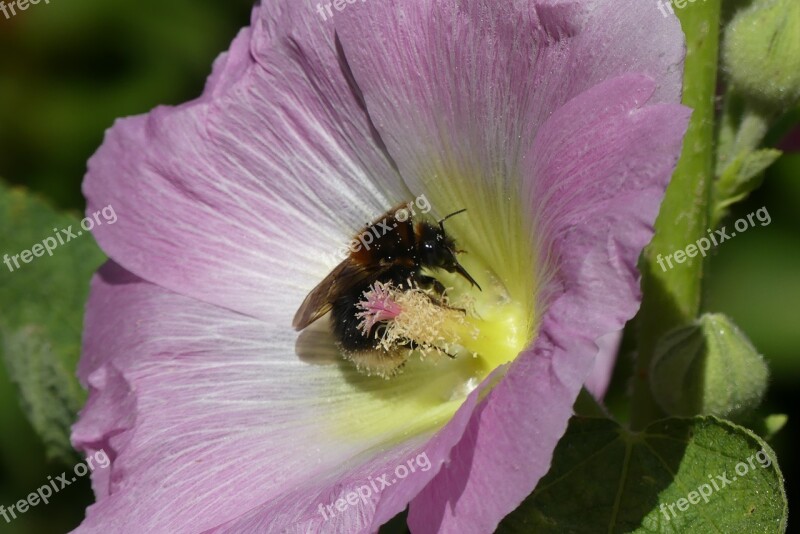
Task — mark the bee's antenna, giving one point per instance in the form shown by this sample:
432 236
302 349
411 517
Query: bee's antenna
441 221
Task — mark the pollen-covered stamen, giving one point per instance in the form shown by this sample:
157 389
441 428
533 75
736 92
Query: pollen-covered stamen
416 320
378 305
433 326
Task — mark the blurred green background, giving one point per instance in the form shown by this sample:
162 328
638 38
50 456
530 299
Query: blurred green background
67 70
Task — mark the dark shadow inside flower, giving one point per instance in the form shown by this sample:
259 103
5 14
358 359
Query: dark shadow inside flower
437 378
316 345
358 95
430 385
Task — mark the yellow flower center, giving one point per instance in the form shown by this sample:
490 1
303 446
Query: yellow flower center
499 324
432 385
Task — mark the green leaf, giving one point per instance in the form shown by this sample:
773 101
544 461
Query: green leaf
754 164
41 319
740 178
607 479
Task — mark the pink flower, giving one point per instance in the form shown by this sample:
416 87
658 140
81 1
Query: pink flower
555 123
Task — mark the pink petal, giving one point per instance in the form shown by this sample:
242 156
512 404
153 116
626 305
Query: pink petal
466 85
603 370
595 177
270 170
212 422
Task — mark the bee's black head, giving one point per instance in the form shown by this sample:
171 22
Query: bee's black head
438 250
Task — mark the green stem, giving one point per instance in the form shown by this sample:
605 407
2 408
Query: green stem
672 296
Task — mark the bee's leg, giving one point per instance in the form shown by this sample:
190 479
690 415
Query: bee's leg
439 289
429 282
412 345
383 363
452 356
447 306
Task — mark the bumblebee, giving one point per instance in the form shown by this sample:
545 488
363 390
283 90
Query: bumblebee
397 252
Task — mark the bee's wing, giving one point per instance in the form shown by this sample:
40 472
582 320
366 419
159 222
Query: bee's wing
343 278
319 302
313 307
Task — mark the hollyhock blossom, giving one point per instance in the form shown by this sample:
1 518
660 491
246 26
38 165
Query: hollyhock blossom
556 124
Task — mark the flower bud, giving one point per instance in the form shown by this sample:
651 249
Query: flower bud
761 52
709 368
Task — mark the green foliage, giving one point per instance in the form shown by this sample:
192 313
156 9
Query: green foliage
77 66
41 318
744 174
672 298
761 56
661 480
753 278
768 426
